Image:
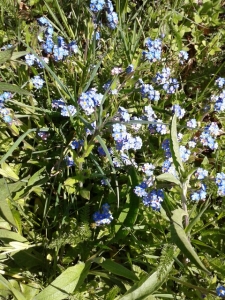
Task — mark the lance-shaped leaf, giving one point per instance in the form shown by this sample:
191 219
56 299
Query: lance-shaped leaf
130 210
13 88
180 238
6 55
150 284
168 177
63 285
174 145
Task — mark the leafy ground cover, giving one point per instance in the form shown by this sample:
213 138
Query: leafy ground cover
112 149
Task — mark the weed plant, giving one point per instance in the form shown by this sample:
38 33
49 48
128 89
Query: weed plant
112 149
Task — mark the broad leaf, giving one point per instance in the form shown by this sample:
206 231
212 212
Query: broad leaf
6 171
180 238
6 55
36 177
148 285
168 177
63 285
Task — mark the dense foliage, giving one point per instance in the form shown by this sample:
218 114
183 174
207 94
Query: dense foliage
112 118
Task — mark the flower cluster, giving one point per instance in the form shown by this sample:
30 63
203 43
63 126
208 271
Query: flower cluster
31 60
184 153
147 91
37 82
166 148
89 100
76 144
201 173
5 112
207 136
180 112
192 123
149 113
97 5
69 161
170 85
44 135
183 55
66 110
157 127
58 50
220 181
219 101
124 115
162 77
200 194
220 82
136 126
154 49
154 199
104 217
111 16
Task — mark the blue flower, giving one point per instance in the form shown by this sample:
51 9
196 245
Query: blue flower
171 86
184 153
183 55
154 199
220 181
89 100
154 49
30 59
104 217
37 82
201 173
68 111
200 194
180 112
97 5
112 19
192 123
130 69
76 144
220 291
220 82
69 161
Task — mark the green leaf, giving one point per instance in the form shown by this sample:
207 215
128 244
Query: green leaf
168 177
85 194
8 188
6 55
118 269
7 172
8 286
63 285
148 285
6 212
36 177
180 238
177 36
130 211
16 144
18 54
9 236
16 216
175 150
4 86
